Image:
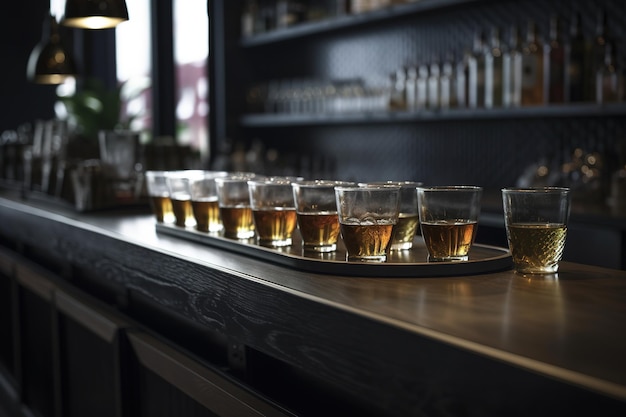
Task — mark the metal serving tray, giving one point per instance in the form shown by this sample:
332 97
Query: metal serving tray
411 263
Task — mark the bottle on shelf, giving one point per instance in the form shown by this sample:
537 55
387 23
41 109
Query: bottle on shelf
554 63
248 17
578 75
398 90
462 79
447 83
621 78
512 71
266 17
533 89
421 95
494 69
361 6
340 7
411 88
433 85
476 80
607 79
603 37
291 12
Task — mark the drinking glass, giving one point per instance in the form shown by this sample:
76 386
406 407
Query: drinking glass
119 151
203 192
536 227
273 210
234 205
366 217
159 196
448 218
316 210
408 218
180 196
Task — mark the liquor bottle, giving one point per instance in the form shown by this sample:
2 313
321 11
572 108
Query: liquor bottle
512 71
578 75
533 89
621 79
248 17
422 86
554 63
602 38
447 84
340 8
494 62
398 90
476 80
607 86
411 88
462 80
433 85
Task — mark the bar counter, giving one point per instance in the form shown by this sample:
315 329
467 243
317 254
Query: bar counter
490 344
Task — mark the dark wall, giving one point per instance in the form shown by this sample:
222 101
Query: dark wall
21 100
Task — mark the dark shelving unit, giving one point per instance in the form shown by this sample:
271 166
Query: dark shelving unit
349 21
443 115
489 147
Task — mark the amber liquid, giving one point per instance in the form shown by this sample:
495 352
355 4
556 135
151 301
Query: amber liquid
367 242
183 212
162 209
207 215
238 222
536 248
404 231
275 226
448 240
319 231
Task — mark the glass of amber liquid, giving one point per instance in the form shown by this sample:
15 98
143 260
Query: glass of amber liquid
234 205
449 219
316 210
367 216
204 203
180 196
273 210
159 196
536 227
408 218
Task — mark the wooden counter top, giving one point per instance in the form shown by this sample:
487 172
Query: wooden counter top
499 341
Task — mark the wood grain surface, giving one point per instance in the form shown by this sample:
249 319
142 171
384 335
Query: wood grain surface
493 342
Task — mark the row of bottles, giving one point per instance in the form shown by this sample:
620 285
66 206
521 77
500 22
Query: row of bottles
522 71
261 16
314 96
517 73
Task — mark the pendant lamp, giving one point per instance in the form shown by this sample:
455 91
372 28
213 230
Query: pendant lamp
94 14
49 62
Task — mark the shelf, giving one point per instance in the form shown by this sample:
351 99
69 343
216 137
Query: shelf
348 21
390 117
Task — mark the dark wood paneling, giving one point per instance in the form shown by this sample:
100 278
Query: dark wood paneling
498 342
37 327
92 358
173 383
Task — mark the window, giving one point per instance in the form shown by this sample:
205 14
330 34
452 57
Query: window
133 57
191 51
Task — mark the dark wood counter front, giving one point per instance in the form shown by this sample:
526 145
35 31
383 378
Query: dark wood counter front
475 345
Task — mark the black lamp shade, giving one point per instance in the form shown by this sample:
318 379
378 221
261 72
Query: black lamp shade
49 62
94 14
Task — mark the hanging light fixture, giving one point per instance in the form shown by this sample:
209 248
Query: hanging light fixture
49 62
94 14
